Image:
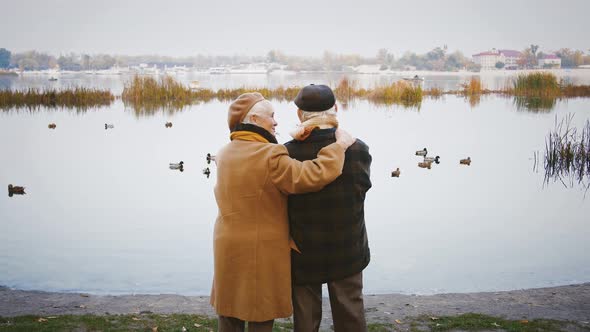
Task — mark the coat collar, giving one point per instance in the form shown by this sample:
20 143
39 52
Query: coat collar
318 135
243 130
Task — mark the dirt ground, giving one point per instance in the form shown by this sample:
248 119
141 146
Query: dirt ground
570 303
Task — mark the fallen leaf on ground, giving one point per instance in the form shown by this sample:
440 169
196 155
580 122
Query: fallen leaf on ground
51 317
134 318
387 313
198 325
184 329
41 320
398 321
155 329
82 306
524 321
496 325
434 318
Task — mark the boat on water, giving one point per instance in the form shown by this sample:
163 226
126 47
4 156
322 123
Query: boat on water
250 69
218 70
416 78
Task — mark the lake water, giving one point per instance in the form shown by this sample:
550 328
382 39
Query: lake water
103 212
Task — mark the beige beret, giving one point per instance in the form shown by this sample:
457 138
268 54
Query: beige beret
240 107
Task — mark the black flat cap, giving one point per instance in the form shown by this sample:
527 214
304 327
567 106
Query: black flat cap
315 98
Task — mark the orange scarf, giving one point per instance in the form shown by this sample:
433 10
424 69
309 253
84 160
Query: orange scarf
244 135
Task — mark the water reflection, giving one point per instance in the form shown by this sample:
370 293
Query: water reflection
535 104
474 100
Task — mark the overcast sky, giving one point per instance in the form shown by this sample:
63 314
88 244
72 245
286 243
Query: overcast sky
297 27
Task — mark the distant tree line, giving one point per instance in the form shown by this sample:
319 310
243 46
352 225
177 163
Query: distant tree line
437 59
569 58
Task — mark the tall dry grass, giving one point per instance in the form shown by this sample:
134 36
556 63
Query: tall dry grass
81 98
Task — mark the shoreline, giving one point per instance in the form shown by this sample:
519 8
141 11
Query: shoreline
565 303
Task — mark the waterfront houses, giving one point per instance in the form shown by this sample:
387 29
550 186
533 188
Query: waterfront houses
549 61
488 60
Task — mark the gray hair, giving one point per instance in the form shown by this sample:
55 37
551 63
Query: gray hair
306 115
260 108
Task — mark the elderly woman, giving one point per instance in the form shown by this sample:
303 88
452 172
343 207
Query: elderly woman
252 280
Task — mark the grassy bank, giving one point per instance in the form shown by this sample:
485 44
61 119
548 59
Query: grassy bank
477 322
175 322
70 98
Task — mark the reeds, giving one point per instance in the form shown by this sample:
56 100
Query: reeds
472 88
399 92
567 154
80 98
537 84
144 92
434 92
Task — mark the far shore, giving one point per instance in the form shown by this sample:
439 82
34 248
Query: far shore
563 303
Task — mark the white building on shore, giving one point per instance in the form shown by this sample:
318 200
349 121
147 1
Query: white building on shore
487 60
549 61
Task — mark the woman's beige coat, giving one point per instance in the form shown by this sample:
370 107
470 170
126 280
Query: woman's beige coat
252 278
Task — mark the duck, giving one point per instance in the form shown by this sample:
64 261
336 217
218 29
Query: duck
425 164
15 190
51 126
396 173
432 159
207 171
210 158
109 126
466 161
179 165
423 152
168 124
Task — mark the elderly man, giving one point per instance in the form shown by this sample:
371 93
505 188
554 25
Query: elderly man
328 226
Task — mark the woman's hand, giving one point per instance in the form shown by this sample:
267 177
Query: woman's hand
344 138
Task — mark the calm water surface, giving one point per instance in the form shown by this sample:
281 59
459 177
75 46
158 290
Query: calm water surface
104 214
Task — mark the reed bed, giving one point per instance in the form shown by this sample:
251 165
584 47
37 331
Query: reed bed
537 91
433 92
571 91
535 104
567 153
72 98
399 92
536 84
147 92
472 88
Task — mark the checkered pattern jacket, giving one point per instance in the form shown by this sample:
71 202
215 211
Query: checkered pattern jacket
328 226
